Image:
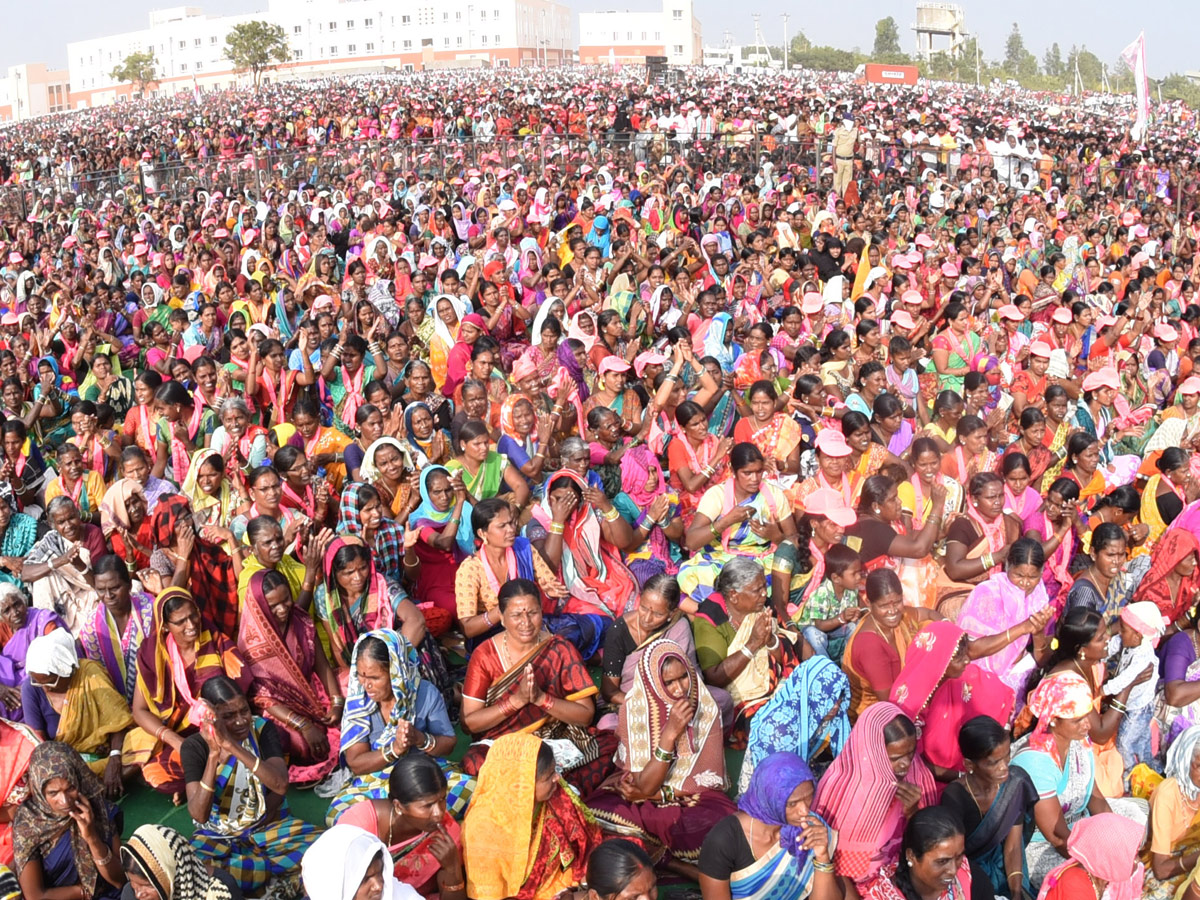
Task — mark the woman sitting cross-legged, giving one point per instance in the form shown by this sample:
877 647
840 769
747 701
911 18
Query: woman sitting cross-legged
237 780
66 836
72 700
669 790
182 643
526 679
424 841
294 685
391 710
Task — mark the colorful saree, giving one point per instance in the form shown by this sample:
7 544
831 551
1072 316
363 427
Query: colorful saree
418 702
857 797
282 662
118 651
93 711
939 706
170 699
806 715
240 836
519 848
693 798
584 754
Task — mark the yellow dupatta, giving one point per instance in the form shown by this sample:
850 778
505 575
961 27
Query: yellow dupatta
93 711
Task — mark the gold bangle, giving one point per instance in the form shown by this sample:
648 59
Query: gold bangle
208 787
254 771
556 528
612 515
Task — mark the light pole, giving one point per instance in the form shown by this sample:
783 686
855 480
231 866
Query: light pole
785 42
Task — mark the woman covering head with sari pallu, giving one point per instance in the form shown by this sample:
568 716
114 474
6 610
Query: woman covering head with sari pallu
805 715
995 606
210 575
938 704
515 847
346 622
418 702
387 545
283 663
169 697
592 567
640 467
691 799
163 857
857 796
16 747
559 671
1173 549
785 871
1101 850
44 837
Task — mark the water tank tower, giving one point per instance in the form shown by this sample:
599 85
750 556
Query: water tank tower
939 24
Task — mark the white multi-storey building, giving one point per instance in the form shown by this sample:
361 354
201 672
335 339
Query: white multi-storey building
328 37
624 36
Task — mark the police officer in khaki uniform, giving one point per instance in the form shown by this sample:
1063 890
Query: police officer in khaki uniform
845 139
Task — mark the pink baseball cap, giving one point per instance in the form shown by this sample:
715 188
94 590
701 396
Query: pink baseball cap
1062 314
903 319
1165 332
648 359
832 443
1190 385
830 504
950 270
1106 377
812 302
912 296
901 261
1040 348
613 364
1010 311
925 241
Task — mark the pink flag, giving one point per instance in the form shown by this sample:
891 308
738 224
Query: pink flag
1134 56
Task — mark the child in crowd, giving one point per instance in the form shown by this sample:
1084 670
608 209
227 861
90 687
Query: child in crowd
829 614
1141 627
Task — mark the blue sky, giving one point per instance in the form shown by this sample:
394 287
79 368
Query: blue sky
37 33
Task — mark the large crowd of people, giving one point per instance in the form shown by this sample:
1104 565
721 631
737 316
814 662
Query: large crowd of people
537 441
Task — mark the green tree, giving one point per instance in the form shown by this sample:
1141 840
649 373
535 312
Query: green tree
255 47
1014 51
887 40
1052 62
137 68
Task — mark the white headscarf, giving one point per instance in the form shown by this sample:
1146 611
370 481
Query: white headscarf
334 866
1179 760
369 471
542 314
52 654
439 327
